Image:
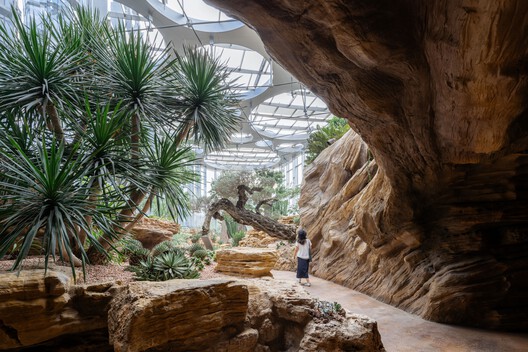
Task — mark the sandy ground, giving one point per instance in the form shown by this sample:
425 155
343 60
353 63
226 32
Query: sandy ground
97 273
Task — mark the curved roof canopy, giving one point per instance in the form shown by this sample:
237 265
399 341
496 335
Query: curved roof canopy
279 112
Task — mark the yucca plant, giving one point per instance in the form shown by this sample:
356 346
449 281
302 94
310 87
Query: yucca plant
206 103
45 196
37 73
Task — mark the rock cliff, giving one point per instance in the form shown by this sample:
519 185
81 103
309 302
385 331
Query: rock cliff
436 223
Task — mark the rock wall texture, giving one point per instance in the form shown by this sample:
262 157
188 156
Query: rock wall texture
35 309
246 261
437 224
176 315
47 313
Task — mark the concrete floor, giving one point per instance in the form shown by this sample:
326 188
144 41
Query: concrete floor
404 332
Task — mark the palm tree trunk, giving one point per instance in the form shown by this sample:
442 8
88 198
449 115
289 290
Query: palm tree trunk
184 134
136 197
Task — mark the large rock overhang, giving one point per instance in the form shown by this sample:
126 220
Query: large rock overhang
437 90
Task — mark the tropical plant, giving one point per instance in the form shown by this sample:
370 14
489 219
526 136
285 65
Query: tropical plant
92 125
167 266
323 137
45 193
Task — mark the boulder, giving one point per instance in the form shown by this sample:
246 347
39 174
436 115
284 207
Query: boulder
257 239
48 313
36 308
246 261
287 318
151 232
285 261
177 315
429 214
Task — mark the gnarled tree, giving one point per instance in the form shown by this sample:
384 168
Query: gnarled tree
247 217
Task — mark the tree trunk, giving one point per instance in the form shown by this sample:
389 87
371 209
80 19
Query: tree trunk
54 121
126 216
246 217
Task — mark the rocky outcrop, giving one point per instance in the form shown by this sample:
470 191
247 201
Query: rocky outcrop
246 261
177 315
287 318
35 308
437 91
257 239
151 232
47 313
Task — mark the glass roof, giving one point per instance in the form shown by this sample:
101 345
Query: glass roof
286 115
279 112
250 70
196 9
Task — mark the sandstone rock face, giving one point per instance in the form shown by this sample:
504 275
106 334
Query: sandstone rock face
151 232
437 91
177 315
35 308
288 319
246 261
49 314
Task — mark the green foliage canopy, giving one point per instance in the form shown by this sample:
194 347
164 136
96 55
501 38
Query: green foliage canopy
319 140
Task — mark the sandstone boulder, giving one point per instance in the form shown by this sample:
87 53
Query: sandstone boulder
151 232
285 261
287 318
48 313
177 315
246 261
35 308
257 239
437 91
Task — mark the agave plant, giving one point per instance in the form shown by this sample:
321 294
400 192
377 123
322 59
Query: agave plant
167 266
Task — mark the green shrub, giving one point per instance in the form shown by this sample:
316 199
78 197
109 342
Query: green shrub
197 263
194 247
134 251
200 254
166 246
237 237
180 239
167 266
196 237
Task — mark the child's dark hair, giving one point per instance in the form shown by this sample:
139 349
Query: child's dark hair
301 238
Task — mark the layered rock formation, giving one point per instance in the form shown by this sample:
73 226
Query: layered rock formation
246 261
151 232
40 313
177 315
437 224
35 308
